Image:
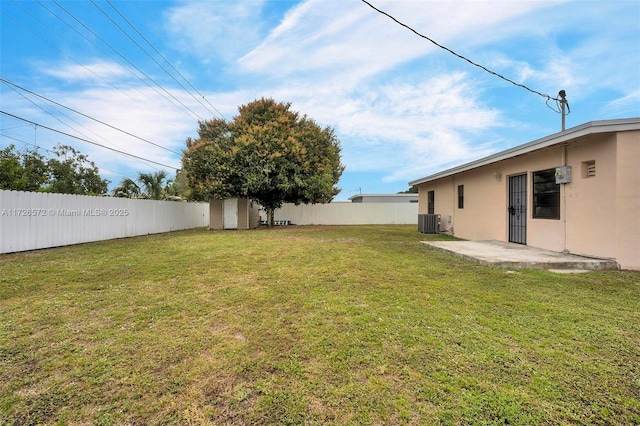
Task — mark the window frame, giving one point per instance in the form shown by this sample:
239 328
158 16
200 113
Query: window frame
431 202
461 196
546 195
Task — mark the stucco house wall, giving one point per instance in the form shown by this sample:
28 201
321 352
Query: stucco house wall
592 202
627 230
598 210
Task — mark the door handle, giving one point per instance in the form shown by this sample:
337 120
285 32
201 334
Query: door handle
512 210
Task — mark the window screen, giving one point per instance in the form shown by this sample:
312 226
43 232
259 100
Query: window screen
546 195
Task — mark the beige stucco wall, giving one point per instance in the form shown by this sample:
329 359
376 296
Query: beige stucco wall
591 202
543 233
627 228
485 214
599 216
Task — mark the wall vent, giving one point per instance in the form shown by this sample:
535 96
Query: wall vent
589 169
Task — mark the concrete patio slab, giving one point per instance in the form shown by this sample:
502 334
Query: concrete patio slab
516 256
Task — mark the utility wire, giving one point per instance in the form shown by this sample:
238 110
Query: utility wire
53 152
65 124
25 142
193 114
136 43
57 118
89 40
458 55
102 50
87 116
55 47
87 140
166 61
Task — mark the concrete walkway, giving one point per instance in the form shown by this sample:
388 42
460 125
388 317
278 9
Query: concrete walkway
516 256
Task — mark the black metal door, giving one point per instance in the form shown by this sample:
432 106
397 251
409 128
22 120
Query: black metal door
518 209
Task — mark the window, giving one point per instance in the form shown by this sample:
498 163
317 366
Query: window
461 196
589 169
431 199
546 195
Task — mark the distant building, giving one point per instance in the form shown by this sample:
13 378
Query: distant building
576 191
384 198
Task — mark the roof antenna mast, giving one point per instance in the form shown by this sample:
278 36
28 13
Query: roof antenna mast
564 103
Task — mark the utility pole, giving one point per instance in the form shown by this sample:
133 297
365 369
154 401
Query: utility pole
564 103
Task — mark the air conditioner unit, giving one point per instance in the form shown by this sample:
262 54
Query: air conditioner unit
429 223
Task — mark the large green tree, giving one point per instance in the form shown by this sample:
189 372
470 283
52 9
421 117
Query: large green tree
268 153
22 171
69 172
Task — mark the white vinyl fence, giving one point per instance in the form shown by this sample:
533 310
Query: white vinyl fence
31 220
347 213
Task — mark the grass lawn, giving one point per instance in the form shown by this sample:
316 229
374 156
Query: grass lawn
310 325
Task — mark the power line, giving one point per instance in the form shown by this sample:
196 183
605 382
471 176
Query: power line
96 45
184 107
53 152
102 50
167 62
54 46
25 142
130 38
86 140
57 118
458 55
143 50
87 116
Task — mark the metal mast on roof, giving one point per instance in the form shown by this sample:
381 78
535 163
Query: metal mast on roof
564 103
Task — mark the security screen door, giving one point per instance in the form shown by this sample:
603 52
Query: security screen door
518 209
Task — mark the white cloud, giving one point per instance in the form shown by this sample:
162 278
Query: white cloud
624 106
213 30
337 36
400 105
389 127
96 72
347 66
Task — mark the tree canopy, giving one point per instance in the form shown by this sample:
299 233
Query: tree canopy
69 172
154 186
268 153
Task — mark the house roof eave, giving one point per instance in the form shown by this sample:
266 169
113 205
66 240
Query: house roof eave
591 127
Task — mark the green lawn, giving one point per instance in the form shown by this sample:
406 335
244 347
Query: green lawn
310 325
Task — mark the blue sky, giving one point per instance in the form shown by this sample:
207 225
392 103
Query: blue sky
401 107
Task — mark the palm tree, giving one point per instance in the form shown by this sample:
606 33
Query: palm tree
155 184
127 189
